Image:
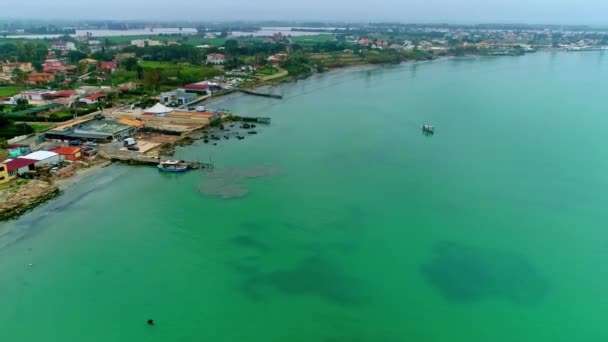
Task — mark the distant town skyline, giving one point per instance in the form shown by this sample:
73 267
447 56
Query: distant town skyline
590 12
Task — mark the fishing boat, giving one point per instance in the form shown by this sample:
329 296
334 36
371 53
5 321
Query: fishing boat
428 129
173 166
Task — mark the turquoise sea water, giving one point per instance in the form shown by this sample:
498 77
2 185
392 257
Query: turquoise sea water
355 226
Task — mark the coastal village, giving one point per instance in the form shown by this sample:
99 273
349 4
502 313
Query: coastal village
80 101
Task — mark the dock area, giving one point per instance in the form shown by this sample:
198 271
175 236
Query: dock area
254 93
153 161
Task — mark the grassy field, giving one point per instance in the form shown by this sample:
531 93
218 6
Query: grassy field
267 71
186 40
41 127
320 38
9 91
183 73
336 59
156 65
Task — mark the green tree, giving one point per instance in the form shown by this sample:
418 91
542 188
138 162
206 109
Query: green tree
129 64
152 78
82 68
231 46
75 56
20 77
22 104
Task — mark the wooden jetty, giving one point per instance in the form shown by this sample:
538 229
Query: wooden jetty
254 93
154 161
255 119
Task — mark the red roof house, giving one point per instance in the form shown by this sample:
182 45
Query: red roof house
20 166
53 66
69 152
197 86
109 66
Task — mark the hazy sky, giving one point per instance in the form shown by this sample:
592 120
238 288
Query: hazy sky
451 11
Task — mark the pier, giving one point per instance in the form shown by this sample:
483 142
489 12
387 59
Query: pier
249 92
152 161
260 120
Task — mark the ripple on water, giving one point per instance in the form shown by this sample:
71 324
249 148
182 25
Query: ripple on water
466 273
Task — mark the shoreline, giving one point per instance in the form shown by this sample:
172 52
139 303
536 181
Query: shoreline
25 197
27 203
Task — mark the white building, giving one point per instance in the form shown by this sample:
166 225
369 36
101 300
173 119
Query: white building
63 46
216 58
43 157
34 94
142 43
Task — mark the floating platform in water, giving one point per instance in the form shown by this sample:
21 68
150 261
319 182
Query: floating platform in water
428 129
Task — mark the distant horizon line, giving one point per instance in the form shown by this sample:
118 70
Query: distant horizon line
299 21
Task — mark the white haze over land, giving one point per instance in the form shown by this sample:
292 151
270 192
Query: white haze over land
593 12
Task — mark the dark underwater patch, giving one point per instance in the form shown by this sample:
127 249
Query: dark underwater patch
465 273
249 242
314 276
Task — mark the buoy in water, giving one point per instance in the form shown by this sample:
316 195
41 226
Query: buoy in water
150 322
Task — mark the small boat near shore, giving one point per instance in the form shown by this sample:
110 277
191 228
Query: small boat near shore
173 166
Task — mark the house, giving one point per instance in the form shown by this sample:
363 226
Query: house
42 158
63 46
19 166
89 61
216 58
4 177
34 94
40 78
71 153
95 46
122 56
53 66
17 150
9 68
9 100
60 94
108 66
365 42
177 98
279 57
142 43
94 98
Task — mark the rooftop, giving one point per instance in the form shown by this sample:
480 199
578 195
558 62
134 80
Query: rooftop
39 155
16 164
66 150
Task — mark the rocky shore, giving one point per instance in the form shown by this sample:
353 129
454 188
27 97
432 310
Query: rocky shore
21 196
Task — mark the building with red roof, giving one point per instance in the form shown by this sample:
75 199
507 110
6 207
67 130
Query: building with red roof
53 66
94 98
69 152
108 66
63 46
40 78
216 58
197 86
20 166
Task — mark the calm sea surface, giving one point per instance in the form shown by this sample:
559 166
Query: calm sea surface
342 222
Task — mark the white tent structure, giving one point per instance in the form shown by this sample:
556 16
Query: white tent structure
158 110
